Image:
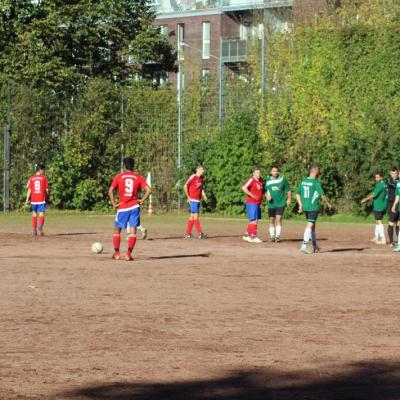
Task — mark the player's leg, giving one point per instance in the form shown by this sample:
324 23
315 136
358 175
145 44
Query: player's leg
257 217
397 248
192 209
380 232
307 236
34 220
272 217
391 225
134 222
252 215
196 222
278 224
121 222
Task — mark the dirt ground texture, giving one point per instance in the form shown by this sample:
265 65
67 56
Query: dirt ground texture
216 319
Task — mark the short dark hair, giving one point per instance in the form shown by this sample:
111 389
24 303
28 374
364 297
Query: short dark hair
381 174
394 169
40 167
129 163
312 167
275 166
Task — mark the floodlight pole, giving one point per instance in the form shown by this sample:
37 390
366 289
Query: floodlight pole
180 116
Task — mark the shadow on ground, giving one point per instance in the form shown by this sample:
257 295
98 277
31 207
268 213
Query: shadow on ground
362 381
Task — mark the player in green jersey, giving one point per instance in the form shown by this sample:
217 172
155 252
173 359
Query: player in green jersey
379 197
308 196
396 208
277 188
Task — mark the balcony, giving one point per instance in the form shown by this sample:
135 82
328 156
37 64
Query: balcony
197 6
234 50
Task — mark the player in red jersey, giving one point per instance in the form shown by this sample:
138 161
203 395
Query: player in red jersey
129 184
194 193
38 191
254 189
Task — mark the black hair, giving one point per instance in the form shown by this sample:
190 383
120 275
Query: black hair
394 169
312 167
129 163
40 167
381 174
276 166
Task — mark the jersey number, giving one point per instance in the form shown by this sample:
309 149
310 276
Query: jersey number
306 192
37 186
128 187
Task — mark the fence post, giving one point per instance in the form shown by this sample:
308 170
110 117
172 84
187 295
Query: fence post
6 170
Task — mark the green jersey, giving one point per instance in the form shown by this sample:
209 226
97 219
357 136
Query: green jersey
277 189
380 196
310 192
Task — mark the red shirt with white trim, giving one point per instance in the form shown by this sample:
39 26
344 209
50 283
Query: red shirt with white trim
38 185
129 184
195 186
256 188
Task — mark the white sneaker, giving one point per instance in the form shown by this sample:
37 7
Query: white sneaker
144 233
247 238
256 240
381 241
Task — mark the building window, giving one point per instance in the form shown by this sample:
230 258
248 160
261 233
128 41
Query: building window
164 30
181 40
206 40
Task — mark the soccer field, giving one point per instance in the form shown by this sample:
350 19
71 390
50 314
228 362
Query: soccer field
216 319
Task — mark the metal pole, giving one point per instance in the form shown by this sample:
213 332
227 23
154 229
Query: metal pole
122 134
221 88
179 133
263 62
6 173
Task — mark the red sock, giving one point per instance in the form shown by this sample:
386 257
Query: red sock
189 227
116 241
34 222
252 229
131 242
196 223
41 220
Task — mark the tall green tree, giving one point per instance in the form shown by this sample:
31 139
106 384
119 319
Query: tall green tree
61 44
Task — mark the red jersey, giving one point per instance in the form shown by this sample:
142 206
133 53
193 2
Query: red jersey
38 185
129 185
195 187
256 188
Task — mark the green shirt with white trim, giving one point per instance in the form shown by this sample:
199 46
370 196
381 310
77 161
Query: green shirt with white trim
310 191
277 189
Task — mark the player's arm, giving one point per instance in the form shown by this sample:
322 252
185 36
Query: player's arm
289 198
324 197
368 198
28 196
395 204
185 188
267 195
247 191
203 195
147 193
298 199
111 196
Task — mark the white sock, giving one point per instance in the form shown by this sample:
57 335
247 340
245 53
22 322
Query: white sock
376 231
141 228
381 231
307 235
278 230
314 237
272 231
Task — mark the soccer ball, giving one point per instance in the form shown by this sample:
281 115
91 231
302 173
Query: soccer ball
97 247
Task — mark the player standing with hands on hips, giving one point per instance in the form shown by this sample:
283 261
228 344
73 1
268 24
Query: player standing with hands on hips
308 196
379 197
129 184
254 189
194 190
276 189
38 191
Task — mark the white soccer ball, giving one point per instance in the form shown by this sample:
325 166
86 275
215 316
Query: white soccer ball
97 247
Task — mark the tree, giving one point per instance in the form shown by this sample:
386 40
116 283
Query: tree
61 44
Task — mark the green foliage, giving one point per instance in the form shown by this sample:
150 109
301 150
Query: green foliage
89 195
230 162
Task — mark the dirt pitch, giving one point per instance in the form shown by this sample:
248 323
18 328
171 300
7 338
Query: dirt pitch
217 319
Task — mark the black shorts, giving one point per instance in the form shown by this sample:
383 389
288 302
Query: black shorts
312 216
393 216
378 215
273 212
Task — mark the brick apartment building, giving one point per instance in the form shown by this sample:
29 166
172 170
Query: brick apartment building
209 34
